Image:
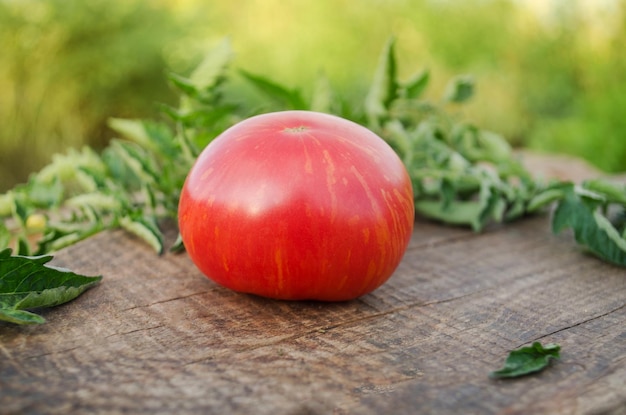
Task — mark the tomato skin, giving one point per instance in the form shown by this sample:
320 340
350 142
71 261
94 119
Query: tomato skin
297 205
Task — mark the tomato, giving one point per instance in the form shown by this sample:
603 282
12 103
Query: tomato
297 205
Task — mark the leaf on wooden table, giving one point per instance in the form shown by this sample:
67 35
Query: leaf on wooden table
580 210
527 360
145 228
27 283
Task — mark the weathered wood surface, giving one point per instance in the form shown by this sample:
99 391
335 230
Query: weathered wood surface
157 337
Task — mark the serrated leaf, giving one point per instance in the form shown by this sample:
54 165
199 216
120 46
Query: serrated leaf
591 229
178 245
146 229
613 192
491 206
209 72
27 283
54 240
183 84
130 129
136 160
494 147
527 360
20 316
515 210
459 89
43 195
545 198
455 213
415 86
23 246
20 210
98 200
384 88
291 99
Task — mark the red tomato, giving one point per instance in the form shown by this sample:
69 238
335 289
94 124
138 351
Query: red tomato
297 205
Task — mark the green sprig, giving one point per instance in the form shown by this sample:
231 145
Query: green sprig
461 174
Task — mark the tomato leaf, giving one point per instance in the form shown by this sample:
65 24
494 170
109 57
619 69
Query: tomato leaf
210 71
545 198
527 360
580 210
292 99
384 89
146 229
415 86
612 192
461 174
27 283
460 89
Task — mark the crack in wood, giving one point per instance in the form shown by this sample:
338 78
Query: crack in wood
168 300
135 331
51 353
574 325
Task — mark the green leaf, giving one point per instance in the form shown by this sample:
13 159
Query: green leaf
459 89
98 200
146 229
23 247
415 86
545 198
611 191
384 88
27 283
136 159
185 85
131 129
178 245
21 210
210 71
527 360
206 77
455 212
44 195
20 316
291 99
591 229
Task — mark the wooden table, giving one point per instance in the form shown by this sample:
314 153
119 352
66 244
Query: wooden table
157 337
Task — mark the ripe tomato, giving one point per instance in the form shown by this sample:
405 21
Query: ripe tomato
297 205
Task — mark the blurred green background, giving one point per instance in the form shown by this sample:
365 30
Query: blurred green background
551 75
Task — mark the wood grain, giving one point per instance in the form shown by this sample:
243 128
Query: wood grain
157 337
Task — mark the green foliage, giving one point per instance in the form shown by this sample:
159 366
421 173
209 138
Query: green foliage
135 182
28 283
461 174
553 84
586 210
527 360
